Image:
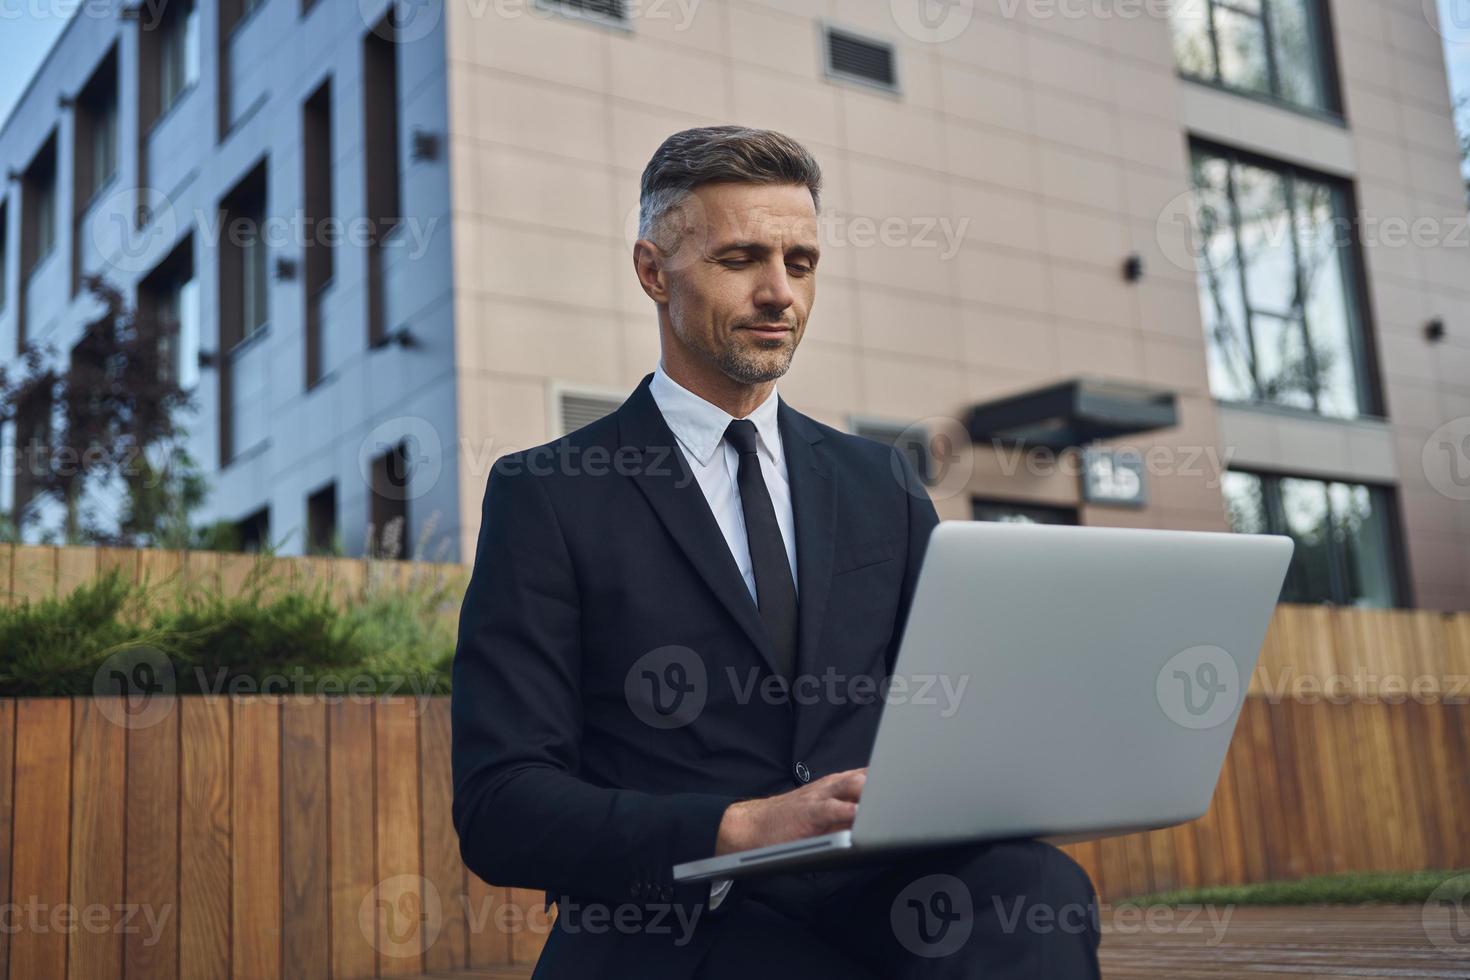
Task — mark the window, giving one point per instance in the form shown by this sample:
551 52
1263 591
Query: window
321 521
1280 49
1279 286
96 130
1346 550
32 447
244 296
1003 512
391 473
38 208
171 293
316 151
178 52
860 59
255 531
380 150
245 259
4 254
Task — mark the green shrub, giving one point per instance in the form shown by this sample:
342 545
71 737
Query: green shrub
382 638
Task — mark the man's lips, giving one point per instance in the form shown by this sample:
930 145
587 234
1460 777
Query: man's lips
768 329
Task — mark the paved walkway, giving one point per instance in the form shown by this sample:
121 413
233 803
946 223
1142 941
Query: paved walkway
1327 942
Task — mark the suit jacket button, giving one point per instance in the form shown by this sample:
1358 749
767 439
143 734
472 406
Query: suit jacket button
803 774
637 889
667 894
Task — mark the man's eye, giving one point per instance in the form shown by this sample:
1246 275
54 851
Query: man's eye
735 263
799 269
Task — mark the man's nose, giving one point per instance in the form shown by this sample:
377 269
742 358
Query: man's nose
774 290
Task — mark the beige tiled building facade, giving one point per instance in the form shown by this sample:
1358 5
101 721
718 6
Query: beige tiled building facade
1223 242
1016 167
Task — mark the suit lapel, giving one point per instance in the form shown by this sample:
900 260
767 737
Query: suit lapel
815 515
674 493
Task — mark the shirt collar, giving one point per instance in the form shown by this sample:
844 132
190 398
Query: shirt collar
700 425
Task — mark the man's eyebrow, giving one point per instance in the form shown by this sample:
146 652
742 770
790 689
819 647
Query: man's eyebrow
743 246
811 252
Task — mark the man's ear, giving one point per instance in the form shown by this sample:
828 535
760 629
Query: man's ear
648 264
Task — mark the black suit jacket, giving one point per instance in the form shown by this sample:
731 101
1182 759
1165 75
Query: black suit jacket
613 687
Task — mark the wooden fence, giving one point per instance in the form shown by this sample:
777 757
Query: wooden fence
294 838
254 837
29 573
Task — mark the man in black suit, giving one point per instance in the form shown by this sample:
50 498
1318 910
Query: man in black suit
678 619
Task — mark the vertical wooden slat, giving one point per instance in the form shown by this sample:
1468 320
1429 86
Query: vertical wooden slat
489 941
7 584
1112 858
75 566
1162 861
7 812
1308 755
1227 809
1247 784
152 883
1140 875
40 864
34 573
350 783
125 561
442 866
1274 829
1295 835
305 880
406 917
255 899
204 838
98 796
530 926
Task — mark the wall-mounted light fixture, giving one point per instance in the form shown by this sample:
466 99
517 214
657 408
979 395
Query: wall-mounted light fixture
424 146
1133 267
402 336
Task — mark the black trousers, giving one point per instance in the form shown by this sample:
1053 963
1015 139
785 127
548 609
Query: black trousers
1014 909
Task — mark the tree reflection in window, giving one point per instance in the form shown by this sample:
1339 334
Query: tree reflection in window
1275 259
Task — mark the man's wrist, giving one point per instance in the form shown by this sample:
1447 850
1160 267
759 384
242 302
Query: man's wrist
734 828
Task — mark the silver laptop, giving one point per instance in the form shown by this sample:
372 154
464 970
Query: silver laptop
1063 683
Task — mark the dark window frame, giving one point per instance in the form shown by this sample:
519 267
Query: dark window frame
1320 37
1356 298
1381 494
1026 506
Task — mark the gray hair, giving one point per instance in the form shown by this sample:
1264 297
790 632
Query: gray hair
713 154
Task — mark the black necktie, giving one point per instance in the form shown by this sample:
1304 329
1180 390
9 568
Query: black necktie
774 589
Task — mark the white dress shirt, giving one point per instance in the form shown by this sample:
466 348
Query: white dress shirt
699 426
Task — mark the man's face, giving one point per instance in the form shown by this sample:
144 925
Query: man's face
743 278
